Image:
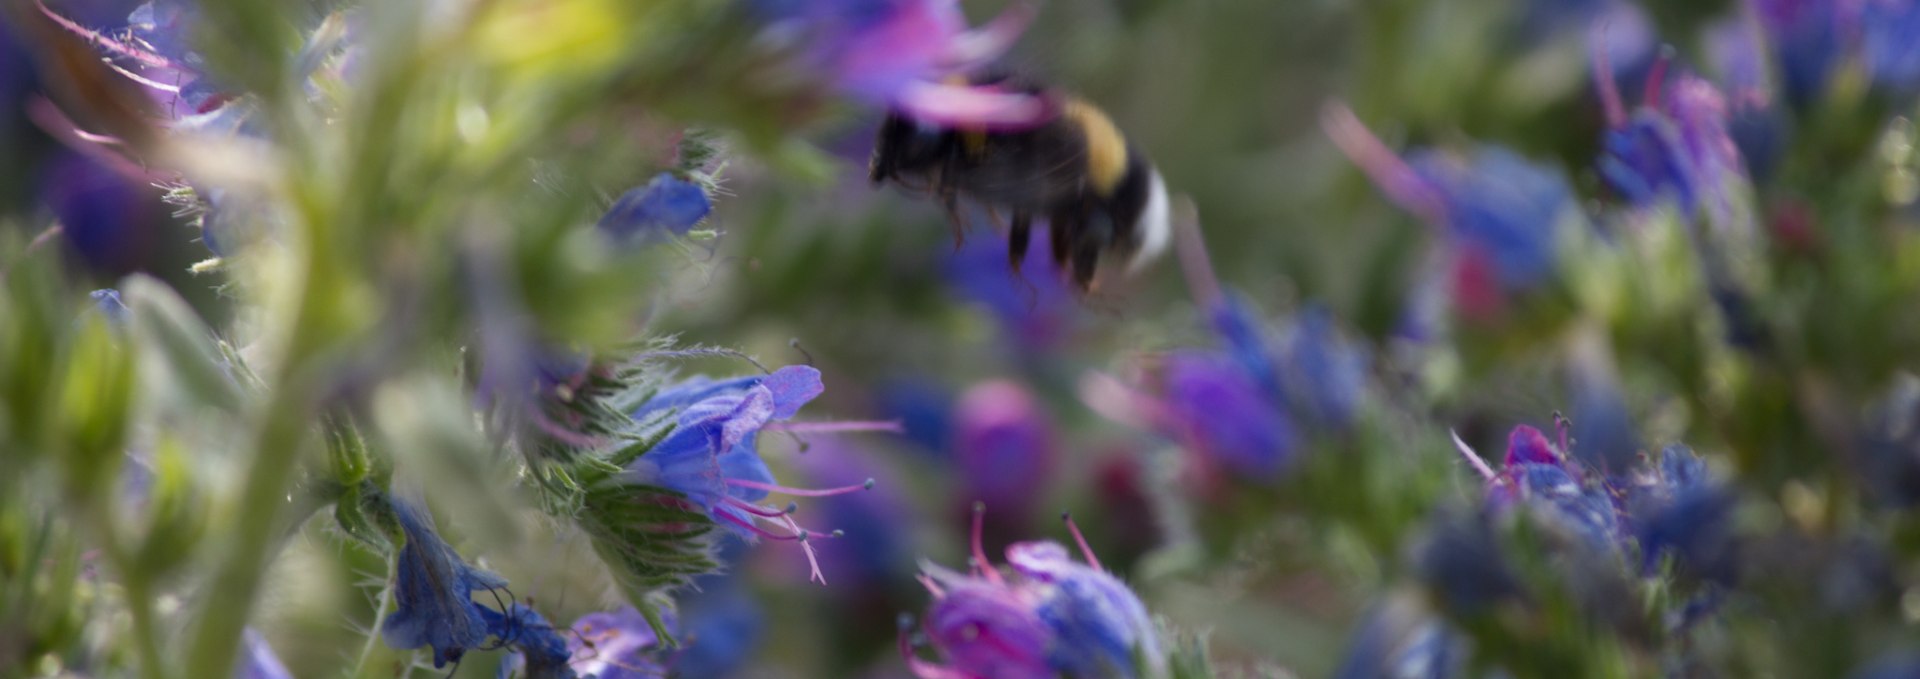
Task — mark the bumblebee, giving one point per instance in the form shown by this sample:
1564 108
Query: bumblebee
1099 195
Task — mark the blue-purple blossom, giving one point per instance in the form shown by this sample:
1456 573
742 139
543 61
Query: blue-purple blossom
1003 446
1889 44
900 52
1033 306
1051 617
433 593
1678 510
1553 489
1225 415
1808 38
1676 146
615 645
543 652
666 205
105 215
722 625
1324 379
1394 643
710 456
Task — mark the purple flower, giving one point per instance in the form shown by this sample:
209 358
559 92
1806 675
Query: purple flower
879 522
1003 445
258 660
710 455
1555 490
433 593
104 215
668 204
1050 617
724 626
614 645
1892 53
1676 146
1678 510
1807 37
543 652
1324 380
1239 330
1225 415
900 52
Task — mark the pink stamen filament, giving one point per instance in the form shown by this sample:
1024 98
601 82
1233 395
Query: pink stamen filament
799 534
149 82
1387 169
1610 102
1081 540
933 586
112 45
800 492
756 510
1563 427
1473 459
554 429
1656 79
840 426
980 553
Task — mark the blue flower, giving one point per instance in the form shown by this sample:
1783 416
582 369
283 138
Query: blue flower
1325 375
542 651
433 593
1226 415
1501 207
1098 623
1892 53
615 645
710 455
1033 306
1536 478
1234 322
1678 510
1003 445
666 205
104 214
723 627
1807 40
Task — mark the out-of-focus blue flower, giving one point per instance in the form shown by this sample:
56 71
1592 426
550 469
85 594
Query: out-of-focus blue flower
1678 510
666 205
898 52
542 651
1324 379
615 645
711 458
1808 39
1676 146
1538 479
723 625
1889 446
1033 306
1051 617
1904 664
1003 445
1395 643
1099 625
107 300
1499 214
1226 415
878 523
1501 207
433 593
257 659
1605 428
923 408
1460 563
1239 330
104 215
1891 50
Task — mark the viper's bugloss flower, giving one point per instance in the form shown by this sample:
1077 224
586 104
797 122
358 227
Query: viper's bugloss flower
543 652
615 645
433 593
1050 617
1553 488
105 216
1889 46
1460 563
1395 643
711 457
1240 331
899 53
723 626
1226 415
666 205
257 659
1675 146
1500 214
1808 38
1678 510
1325 375
1004 446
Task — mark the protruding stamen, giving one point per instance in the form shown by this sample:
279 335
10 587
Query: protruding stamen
802 492
1603 84
985 43
1564 428
1472 457
111 45
933 586
1082 540
979 552
837 533
1657 78
813 560
1387 169
758 510
757 530
893 426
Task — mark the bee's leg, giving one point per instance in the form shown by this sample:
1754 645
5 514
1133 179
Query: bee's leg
951 203
1095 235
1019 237
1061 228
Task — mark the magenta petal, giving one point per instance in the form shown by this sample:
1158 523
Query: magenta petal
962 106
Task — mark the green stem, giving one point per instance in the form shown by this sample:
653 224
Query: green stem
146 641
373 630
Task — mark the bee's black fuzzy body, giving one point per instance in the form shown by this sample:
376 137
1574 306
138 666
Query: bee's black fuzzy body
1098 194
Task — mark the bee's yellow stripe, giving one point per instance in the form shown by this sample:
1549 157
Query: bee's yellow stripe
1106 149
